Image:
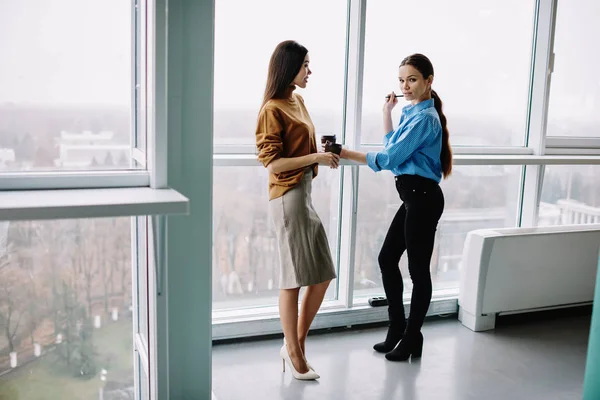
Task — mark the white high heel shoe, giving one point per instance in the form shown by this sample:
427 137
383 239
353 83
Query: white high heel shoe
310 375
307 363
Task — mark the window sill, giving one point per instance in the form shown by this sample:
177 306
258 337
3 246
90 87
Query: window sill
231 324
90 203
250 160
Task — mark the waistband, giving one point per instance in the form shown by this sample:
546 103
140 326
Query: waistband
411 181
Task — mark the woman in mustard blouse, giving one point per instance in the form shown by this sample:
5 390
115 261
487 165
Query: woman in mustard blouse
285 139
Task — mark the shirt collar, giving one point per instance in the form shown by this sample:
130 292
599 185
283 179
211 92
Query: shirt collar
411 110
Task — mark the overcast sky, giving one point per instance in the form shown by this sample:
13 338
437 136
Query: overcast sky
78 51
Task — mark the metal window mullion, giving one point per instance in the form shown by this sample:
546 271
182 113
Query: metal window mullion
156 66
351 137
135 296
541 71
140 110
135 34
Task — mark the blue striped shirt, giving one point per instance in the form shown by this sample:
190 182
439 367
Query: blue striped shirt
414 147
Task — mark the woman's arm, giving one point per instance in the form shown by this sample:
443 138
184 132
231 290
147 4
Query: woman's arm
288 164
387 121
388 106
353 155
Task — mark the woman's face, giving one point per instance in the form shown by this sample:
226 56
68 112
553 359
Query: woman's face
302 78
413 85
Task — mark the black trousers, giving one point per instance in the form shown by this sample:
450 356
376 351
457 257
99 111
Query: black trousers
412 229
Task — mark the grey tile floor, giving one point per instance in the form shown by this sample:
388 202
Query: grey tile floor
526 360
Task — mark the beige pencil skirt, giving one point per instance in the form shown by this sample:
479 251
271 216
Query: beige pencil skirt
304 252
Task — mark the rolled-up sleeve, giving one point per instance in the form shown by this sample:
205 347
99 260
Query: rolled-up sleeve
396 153
372 161
269 142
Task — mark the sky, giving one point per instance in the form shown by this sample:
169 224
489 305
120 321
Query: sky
78 52
59 52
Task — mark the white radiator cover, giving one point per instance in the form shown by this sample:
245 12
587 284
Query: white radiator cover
513 270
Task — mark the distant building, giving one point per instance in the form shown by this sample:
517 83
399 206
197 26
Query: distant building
91 150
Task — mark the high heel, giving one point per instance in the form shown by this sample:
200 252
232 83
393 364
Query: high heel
307 363
410 345
307 376
394 335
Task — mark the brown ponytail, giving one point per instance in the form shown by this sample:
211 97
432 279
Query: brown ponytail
446 154
424 66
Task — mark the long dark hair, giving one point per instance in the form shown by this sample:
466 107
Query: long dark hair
286 61
424 66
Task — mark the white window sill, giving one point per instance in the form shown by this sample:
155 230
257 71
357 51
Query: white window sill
238 323
250 160
90 203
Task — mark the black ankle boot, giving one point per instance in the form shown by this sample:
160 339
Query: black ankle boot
394 335
411 345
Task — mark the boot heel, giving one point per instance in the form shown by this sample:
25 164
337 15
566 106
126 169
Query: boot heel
409 347
418 348
417 352
283 362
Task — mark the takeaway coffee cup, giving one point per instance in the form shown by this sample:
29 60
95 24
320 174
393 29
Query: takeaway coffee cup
328 138
333 147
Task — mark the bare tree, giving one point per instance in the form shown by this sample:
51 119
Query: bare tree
11 296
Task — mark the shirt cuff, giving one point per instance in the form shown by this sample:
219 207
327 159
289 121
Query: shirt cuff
372 161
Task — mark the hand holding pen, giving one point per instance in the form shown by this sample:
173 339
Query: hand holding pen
391 101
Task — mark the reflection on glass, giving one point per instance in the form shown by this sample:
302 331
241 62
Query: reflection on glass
481 64
570 195
245 255
65 309
65 85
476 197
242 60
573 109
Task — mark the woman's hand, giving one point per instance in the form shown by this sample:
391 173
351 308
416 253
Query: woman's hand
330 159
390 103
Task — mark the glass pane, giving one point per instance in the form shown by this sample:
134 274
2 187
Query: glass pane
573 108
65 84
65 316
481 54
570 195
243 47
476 197
245 253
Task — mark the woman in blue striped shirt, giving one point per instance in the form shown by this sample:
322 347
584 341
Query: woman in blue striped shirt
418 153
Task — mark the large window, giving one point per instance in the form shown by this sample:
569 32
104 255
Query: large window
243 46
476 197
82 99
481 53
575 89
65 85
245 254
491 61
66 309
570 195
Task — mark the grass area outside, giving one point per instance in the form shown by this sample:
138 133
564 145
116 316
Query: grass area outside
49 377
